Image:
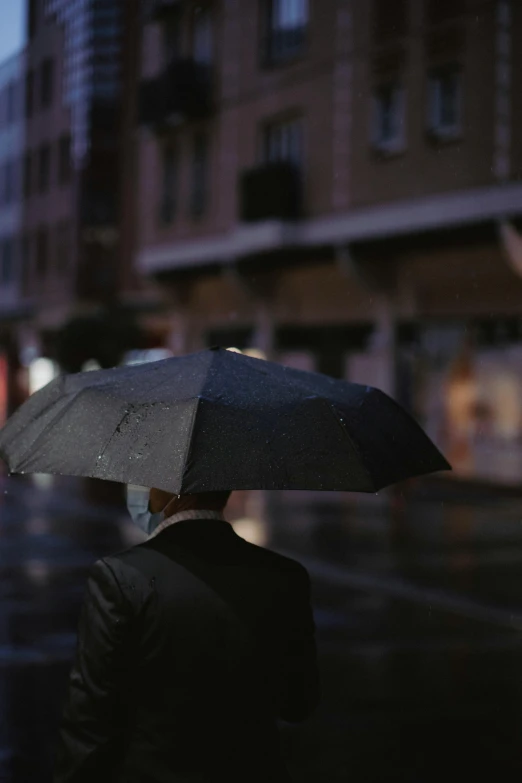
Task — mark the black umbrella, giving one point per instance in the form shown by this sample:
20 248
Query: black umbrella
217 420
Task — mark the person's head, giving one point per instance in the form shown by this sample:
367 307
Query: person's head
149 507
170 503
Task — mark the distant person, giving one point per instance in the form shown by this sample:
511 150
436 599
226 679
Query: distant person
191 646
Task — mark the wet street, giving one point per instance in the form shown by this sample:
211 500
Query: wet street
419 618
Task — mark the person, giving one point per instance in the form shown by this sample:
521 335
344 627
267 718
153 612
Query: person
191 647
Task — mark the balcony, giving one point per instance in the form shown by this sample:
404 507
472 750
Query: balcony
271 192
181 92
156 10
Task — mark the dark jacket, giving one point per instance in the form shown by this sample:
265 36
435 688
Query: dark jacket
191 645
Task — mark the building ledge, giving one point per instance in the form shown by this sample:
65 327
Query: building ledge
414 216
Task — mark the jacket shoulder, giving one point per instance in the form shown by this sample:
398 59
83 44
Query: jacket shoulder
123 568
271 559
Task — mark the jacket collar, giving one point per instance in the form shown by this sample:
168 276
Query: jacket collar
182 516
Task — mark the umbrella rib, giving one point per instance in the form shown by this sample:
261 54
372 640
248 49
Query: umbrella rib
125 415
186 457
107 444
351 441
293 382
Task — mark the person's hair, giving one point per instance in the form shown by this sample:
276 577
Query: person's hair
159 499
215 499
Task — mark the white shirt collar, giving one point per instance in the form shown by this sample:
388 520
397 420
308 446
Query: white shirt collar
181 516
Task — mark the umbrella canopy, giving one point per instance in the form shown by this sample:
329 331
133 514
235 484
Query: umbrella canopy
217 420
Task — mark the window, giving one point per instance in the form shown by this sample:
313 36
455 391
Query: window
10 103
390 20
63 246
441 11
32 20
200 173
29 94
283 141
7 266
444 102
169 190
171 37
26 248
202 36
47 83
3 188
388 118
44 168
287 23
7 176
42 251
9 182
64 159
28 160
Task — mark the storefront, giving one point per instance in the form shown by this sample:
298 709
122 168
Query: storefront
468 394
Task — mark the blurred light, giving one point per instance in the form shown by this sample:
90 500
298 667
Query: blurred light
512 244
43 480
149 355
252 530
41 372
38 526
37 571
255 353
92 364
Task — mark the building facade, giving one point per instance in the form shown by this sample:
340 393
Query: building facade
67 132
13 308
333 183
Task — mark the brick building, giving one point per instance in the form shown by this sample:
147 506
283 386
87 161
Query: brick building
12 305
326 181
67 180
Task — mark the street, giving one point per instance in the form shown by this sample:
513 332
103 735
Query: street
419 621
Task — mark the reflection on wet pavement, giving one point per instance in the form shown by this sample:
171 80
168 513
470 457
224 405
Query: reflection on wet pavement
418 623
420 639
48 540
